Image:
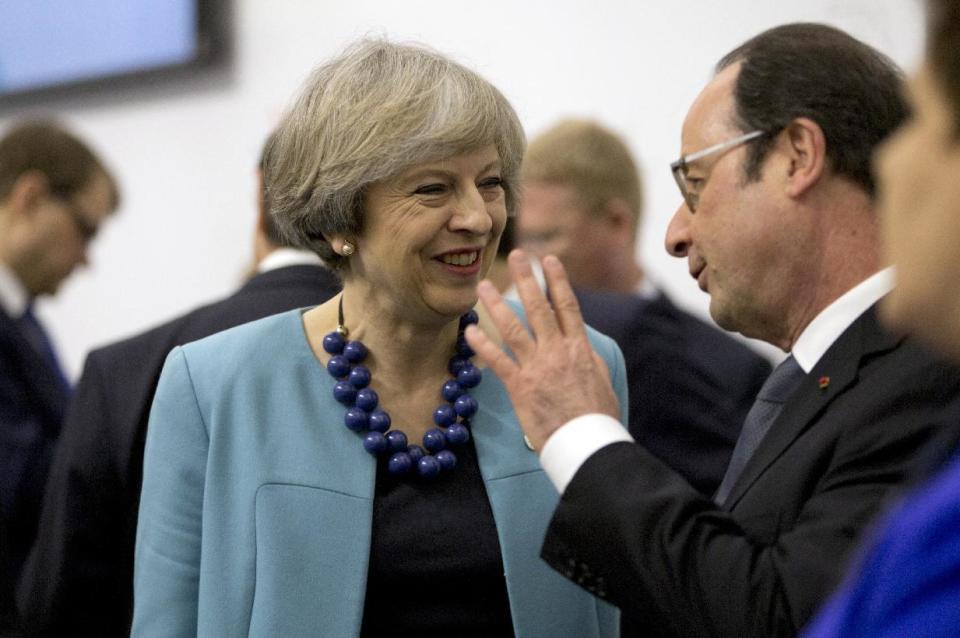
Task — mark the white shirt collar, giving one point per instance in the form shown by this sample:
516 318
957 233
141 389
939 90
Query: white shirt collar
14 297
827 326
647 289
282 257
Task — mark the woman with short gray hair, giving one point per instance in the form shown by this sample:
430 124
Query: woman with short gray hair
347 470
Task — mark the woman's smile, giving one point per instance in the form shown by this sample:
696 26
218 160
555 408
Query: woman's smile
461 262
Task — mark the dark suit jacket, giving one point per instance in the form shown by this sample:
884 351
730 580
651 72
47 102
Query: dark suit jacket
690 384
79 578
639 535
32 403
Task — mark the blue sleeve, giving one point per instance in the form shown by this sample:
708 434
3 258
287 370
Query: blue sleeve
167 564
618 376
908 582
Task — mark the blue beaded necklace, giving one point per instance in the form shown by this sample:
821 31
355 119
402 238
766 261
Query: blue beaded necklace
363 415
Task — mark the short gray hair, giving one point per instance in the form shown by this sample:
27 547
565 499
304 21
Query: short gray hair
371 113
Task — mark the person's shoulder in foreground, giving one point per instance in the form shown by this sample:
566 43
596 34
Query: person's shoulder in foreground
909 582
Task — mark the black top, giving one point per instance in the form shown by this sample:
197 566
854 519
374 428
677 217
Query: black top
435 563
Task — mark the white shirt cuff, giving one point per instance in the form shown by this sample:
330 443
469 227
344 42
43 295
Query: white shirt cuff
570 446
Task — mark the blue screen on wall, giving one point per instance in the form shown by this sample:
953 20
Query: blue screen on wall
47 43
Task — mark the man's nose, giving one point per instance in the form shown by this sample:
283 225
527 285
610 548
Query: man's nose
677 241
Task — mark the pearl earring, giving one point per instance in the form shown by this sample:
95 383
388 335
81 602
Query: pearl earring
348 249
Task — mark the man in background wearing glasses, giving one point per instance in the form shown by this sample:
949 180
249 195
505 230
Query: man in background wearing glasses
778 227
54 195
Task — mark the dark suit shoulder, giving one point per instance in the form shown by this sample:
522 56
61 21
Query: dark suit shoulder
761 563
716 349
264 294
690 384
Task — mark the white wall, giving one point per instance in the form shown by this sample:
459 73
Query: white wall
185 155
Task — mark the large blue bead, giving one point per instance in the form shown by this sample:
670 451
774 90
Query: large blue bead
434 440
355 351
416 452
374 443
469 317
344 393
366 399
379 421
447 459
400 463
456 364
457 434
469 376
333 342
338 366
360 377
451 390
396 441
356 419
465 406
444 415
463 348
428 467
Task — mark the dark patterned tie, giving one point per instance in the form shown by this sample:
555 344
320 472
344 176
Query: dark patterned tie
40 342
774 393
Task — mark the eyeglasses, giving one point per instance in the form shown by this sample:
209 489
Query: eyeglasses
87 229
691 194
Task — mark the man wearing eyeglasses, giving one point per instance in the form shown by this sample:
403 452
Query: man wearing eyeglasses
54 195
778 227
690 385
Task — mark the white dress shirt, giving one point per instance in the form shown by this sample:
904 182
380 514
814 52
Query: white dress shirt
283 257
570 446
14 298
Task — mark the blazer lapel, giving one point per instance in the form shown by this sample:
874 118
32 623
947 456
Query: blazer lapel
542 603
837 370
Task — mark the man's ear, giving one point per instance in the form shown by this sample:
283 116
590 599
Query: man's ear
28 191
806 148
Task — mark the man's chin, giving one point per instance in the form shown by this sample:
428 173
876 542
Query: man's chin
724 315
718 312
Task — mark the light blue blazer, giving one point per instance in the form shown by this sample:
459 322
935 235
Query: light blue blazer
256 509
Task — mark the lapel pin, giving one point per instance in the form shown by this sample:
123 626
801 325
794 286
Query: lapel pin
824 382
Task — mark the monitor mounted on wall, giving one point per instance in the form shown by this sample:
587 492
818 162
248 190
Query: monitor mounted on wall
51 46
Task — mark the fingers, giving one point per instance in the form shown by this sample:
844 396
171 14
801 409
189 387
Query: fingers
513 332
555 348
491 354
565 306
540 316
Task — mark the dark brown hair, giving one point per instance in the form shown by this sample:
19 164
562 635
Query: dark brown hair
852 91
943 51
43 145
